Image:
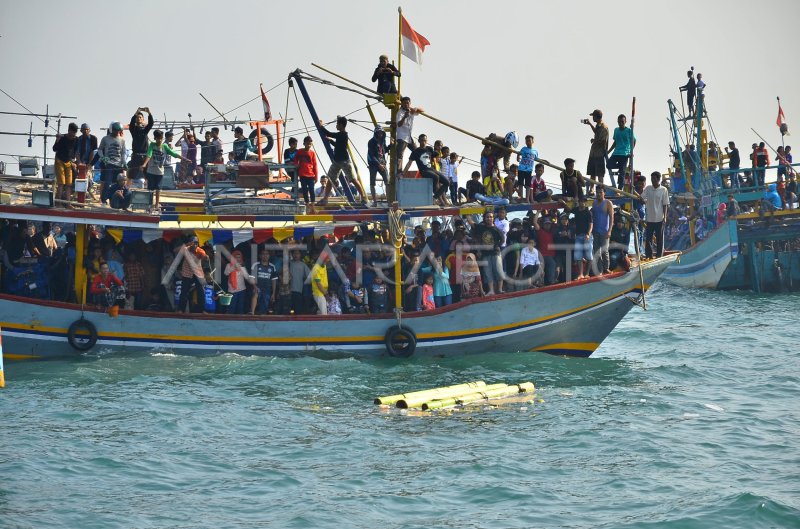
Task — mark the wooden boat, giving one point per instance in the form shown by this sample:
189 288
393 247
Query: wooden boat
569 319
758 249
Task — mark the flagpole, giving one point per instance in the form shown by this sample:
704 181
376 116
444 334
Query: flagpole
780 111
394 174
399 47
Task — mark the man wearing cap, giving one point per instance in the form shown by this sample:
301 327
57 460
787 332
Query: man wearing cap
112 155
65 147
376 159
596 167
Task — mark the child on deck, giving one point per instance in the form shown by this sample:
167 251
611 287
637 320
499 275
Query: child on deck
428 301
378 296
334 306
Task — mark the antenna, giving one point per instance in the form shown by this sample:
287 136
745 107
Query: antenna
30 136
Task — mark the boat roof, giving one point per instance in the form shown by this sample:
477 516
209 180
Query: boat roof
193 217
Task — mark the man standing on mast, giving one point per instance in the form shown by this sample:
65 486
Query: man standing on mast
691 90
385 74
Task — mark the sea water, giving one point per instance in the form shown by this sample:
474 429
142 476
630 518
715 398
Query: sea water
686 417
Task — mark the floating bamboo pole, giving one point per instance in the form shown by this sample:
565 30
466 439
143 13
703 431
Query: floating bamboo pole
417 401
483 394
466 387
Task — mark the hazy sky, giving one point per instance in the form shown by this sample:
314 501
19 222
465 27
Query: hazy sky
529 66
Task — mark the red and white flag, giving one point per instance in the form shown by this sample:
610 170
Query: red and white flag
267 110
781 121
413 43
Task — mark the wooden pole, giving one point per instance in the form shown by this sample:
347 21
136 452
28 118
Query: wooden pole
495 144
394 162
371 114
399 47
80 271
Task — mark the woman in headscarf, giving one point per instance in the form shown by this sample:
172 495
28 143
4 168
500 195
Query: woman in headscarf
471 284
722 210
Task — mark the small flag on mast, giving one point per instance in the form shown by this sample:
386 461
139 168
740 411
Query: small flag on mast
781 121
413 43
267 110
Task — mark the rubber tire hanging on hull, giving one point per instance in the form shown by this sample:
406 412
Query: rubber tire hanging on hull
404 348
87 327
264 133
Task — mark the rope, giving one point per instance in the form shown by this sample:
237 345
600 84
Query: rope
26 108
358 152
300 110
315 79
396 226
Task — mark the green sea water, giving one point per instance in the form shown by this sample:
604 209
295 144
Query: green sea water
686 417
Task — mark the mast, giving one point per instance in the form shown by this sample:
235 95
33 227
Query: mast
314 116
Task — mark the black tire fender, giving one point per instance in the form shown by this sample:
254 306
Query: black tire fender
76 335
264 134
400 341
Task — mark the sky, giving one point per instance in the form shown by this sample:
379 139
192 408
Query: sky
534 67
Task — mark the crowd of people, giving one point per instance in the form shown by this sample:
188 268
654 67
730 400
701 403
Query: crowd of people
442 263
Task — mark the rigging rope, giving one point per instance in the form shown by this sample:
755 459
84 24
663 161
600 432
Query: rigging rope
309 77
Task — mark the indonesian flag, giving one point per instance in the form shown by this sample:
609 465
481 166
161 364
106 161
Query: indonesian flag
413 43
267 110
781 121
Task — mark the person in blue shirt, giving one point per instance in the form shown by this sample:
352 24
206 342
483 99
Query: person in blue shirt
241 145
620 151
772 197
526 158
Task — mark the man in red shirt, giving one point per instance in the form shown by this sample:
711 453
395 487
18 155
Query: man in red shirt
104 286
306 161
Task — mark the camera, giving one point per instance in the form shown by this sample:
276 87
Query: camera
585 121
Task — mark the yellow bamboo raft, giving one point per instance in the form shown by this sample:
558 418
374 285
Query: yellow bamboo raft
457 395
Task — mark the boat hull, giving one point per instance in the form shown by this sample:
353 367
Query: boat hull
703 265
571 319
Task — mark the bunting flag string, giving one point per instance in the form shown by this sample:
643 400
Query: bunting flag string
236 237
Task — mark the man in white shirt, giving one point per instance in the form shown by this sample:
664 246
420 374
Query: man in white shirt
405 125
656 199
502 224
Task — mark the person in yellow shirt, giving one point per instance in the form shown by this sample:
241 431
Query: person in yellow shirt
319 284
